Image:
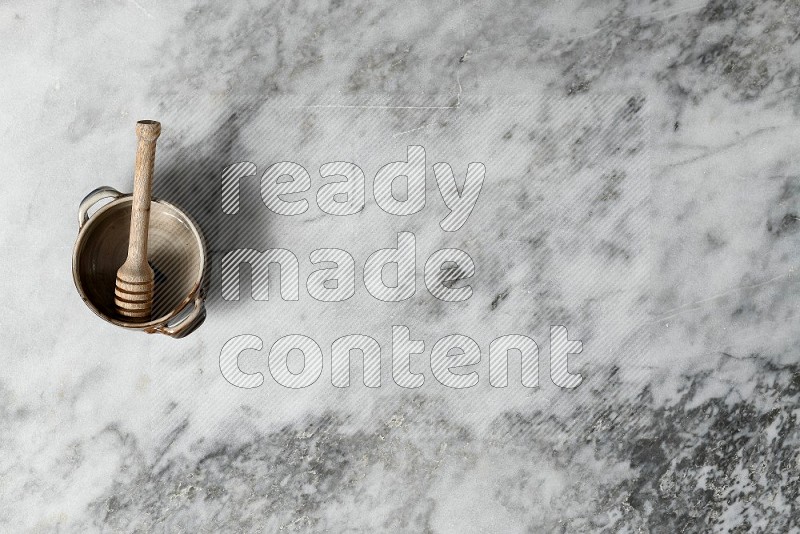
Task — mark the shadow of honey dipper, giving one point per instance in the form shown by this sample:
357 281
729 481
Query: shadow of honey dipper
133 293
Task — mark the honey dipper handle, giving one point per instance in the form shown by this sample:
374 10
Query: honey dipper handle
147 132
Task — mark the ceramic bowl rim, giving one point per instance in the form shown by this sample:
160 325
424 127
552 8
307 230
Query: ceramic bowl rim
190 297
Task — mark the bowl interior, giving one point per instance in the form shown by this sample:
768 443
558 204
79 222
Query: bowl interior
174 252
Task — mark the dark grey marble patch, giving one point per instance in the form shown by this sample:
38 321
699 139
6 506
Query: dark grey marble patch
727 463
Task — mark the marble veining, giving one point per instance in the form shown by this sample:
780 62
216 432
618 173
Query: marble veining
687 420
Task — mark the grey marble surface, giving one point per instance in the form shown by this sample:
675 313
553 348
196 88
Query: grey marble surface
642 188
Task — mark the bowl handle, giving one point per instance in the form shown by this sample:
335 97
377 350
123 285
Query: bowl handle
189 323
93 198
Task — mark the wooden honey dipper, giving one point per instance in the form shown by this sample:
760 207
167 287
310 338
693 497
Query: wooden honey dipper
133 294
